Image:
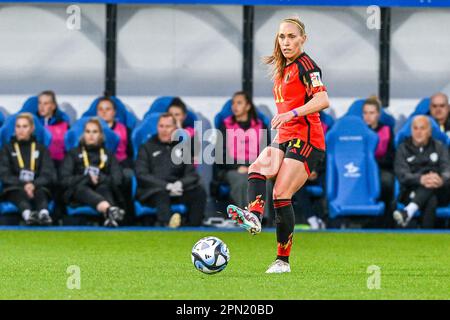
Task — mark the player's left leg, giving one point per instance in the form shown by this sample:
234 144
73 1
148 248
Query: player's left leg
291 177
265 167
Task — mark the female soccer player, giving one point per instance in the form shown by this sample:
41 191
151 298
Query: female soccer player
299 144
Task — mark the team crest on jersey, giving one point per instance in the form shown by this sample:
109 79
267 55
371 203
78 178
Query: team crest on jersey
315 79
287 78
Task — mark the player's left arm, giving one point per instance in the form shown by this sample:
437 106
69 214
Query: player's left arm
318 101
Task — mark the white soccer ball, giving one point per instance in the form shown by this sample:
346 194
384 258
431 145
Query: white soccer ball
210 255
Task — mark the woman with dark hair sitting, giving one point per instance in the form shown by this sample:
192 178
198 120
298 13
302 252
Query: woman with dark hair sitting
106 110
91 175
27 173
52 119
244 136
178 110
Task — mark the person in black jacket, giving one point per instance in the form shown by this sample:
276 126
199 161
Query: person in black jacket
423 169
164 178
384 155
440 111
27 173
91 175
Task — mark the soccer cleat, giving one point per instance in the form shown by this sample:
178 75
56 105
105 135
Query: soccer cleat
247 220
279 266
175 221
401 217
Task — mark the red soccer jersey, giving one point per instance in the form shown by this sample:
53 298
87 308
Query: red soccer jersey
301 80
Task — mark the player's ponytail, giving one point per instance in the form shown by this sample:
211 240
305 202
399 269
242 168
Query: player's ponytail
277 61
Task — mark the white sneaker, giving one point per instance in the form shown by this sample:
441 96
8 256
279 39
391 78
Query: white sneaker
245 219
279 266
401 217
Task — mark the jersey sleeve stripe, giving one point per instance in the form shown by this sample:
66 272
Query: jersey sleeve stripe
308 63
304 65
309 60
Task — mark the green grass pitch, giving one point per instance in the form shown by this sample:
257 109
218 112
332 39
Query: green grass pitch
157 265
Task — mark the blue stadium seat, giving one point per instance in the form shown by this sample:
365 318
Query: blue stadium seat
122 114
353 182
327 119
161 105
7 131
405 132
356 109
31 105
146 129
72 138
2 119
423 107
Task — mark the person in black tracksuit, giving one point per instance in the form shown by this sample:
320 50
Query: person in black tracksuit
91 175
422 167
164 177
27 173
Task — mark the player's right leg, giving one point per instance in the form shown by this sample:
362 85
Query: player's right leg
266 166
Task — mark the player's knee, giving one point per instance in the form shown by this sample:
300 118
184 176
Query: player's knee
280 193
254 168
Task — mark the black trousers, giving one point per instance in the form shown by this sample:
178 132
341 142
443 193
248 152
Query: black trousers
21 200
387 182
92 196
427 200
306 205
194 199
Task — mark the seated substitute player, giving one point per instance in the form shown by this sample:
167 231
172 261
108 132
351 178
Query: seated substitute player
164 178
27 173
91 175
384 155
299 145
243 137
440 110
423 169
106 110
51 117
